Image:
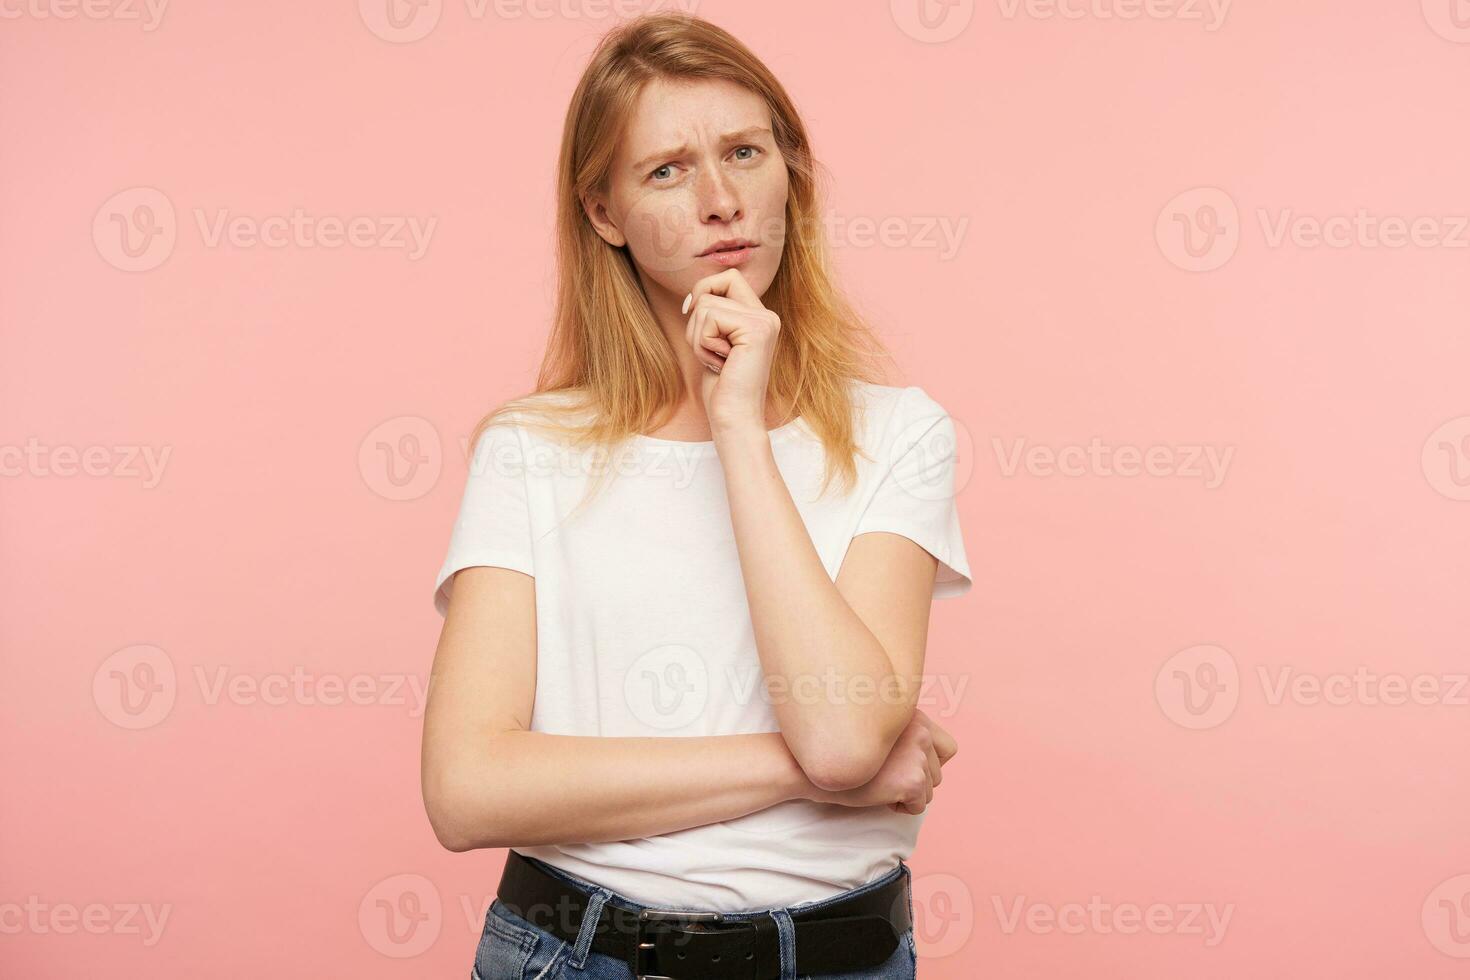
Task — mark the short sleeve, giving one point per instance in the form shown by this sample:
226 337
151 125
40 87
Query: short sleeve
915 494
494 525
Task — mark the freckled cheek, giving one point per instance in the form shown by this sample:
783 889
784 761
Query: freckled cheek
668 215
665 230
766 200
664 235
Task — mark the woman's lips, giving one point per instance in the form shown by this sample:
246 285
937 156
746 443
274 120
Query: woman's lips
733 257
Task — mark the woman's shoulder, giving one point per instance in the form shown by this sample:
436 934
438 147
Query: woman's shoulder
541 408
532 420
900 404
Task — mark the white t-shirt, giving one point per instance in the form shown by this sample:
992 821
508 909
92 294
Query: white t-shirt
643 627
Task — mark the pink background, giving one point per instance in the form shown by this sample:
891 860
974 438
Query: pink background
1125 740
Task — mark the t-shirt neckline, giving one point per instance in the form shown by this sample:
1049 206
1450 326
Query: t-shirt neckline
781 432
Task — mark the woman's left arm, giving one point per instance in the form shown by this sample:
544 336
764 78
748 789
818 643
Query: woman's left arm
842 660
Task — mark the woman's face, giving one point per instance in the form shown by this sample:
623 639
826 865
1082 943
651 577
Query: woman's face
697 164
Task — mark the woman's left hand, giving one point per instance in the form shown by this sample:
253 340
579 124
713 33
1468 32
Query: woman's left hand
734 336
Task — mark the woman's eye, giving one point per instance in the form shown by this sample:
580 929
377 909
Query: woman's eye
657 172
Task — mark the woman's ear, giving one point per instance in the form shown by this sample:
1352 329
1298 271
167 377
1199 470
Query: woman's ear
602 222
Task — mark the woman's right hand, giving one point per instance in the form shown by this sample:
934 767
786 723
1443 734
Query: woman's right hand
907 779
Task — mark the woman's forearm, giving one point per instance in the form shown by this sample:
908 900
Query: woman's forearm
528 788
808 637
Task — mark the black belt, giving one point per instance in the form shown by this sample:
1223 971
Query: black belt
853 934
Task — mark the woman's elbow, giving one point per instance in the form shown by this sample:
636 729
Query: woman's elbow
834 768
453 814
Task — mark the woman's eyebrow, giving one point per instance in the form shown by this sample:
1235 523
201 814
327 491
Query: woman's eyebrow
742 134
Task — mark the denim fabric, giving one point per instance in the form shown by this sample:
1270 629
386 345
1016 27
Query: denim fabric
511 948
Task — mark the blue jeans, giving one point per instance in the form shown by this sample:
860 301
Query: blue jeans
511 948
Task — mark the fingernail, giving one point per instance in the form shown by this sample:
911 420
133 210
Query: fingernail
686 303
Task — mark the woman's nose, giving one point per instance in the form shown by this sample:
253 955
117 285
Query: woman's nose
718 199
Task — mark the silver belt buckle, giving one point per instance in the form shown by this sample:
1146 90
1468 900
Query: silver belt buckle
645 948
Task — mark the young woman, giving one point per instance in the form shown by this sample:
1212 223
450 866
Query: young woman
679 667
